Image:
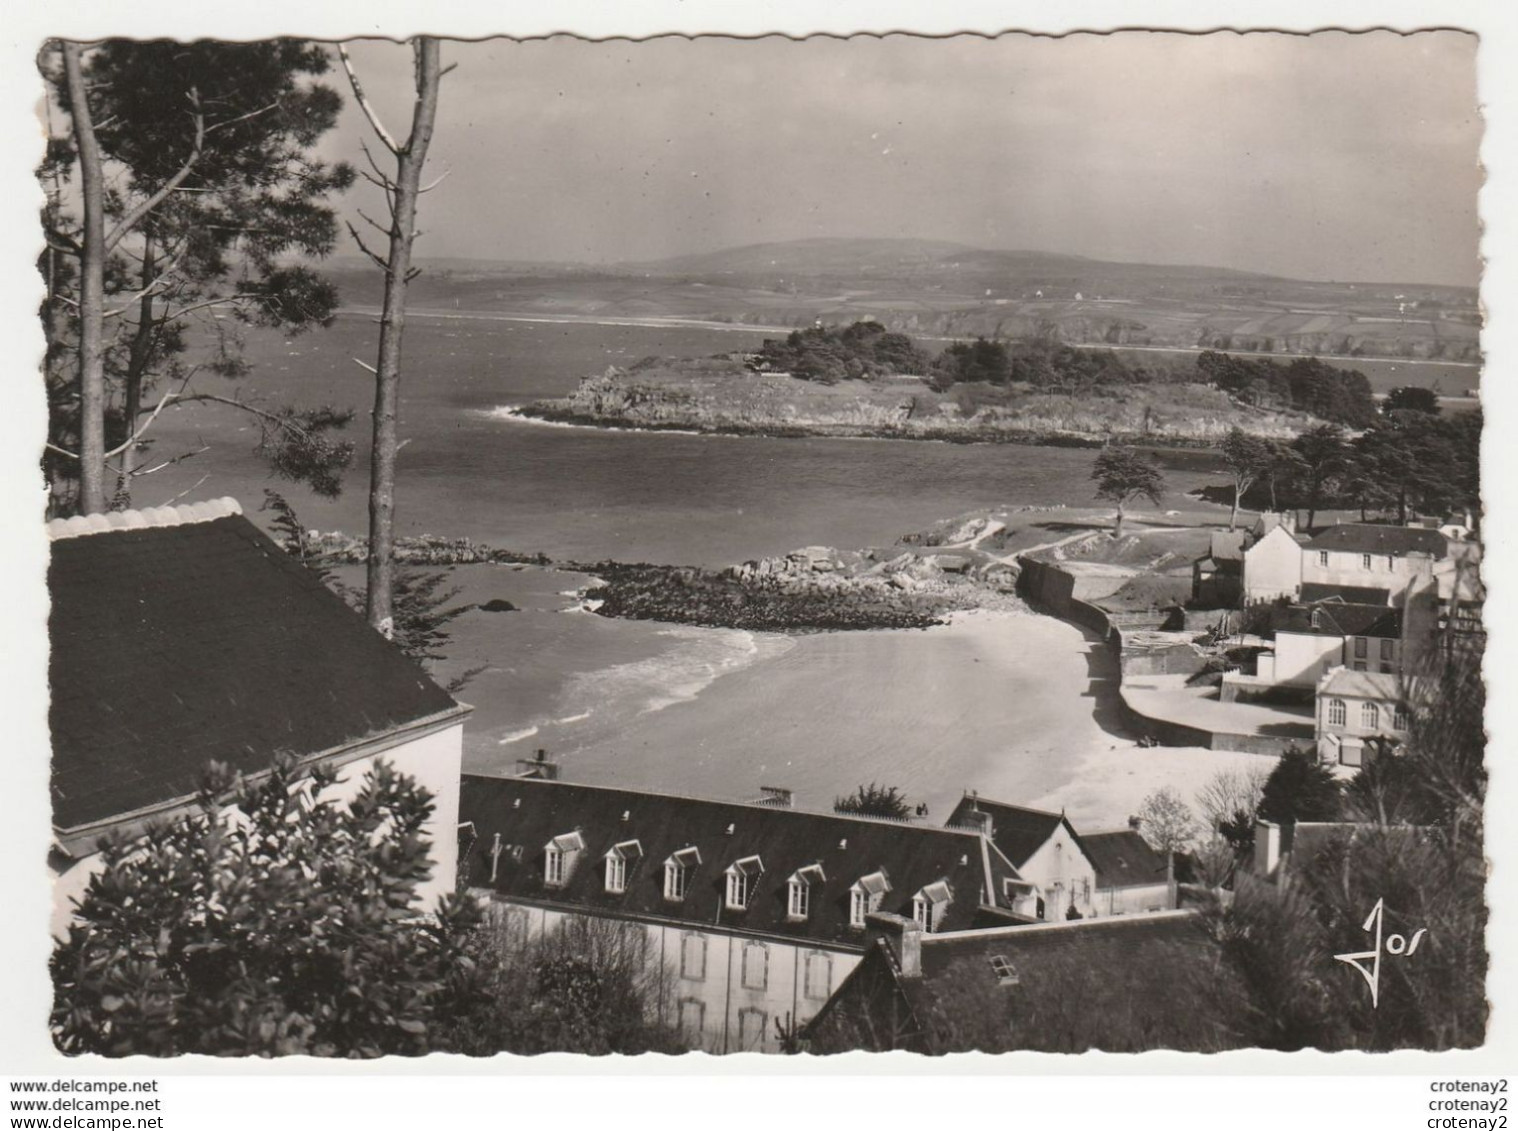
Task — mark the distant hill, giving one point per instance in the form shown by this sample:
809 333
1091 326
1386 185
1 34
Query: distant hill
884 257
823 256
943 289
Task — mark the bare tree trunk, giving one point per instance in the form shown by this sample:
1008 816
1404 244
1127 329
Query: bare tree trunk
410 158
1117 531
91 291
138 361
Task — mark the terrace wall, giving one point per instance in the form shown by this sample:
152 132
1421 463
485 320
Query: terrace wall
1051 590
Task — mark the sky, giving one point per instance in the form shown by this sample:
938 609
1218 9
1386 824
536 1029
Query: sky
1330 156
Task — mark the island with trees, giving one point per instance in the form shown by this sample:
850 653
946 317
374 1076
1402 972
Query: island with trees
862 380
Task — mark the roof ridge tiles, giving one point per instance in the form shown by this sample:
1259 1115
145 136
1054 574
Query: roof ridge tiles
758 806
81 525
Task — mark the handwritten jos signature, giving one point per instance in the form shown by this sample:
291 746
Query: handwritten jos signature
1395 945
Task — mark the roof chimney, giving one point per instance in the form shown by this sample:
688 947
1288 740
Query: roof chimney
902 935
775 796
979 820
1267 847
538 767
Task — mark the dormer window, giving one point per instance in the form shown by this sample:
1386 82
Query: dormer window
1006 973
799 903
741 878
559 858
677 873
618 860
866 895
930 904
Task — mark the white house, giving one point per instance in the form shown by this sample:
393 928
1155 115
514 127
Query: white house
184 635
1045 850
1308 640
752 914
1370 558
1272 565
1353 709
1131 877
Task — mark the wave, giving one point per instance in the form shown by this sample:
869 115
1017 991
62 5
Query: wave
517 736
515 413
583 715
697 658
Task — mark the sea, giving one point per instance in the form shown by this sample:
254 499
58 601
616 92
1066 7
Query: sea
551 675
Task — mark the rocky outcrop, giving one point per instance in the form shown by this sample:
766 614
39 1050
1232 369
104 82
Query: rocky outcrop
678 395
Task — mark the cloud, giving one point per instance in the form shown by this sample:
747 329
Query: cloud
1331 155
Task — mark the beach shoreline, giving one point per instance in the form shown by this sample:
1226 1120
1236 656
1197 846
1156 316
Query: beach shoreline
1015 706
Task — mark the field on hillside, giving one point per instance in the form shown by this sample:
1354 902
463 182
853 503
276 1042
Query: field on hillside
939 293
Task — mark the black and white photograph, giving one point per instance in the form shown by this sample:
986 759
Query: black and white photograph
714 547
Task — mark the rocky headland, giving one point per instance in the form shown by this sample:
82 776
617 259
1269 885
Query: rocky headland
915 584
724 396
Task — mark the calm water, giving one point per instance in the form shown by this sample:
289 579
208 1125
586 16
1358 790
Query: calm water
587 493
568 680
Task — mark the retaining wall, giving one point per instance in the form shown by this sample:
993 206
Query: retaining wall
1050 590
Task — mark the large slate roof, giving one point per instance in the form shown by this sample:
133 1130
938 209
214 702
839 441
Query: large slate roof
1338 618
177 644
1123 983
1123 858
528 813
1369 538
1019 832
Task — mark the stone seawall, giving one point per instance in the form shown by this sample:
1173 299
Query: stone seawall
1141 650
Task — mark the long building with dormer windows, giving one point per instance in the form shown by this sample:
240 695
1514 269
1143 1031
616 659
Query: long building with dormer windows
754 912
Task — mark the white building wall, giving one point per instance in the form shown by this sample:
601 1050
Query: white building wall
1133 899
1344 743
1273 567
1394 573
1302 659
705 989
1060 868
70 878
435 760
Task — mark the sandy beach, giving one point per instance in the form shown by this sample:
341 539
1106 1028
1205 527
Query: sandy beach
1016 706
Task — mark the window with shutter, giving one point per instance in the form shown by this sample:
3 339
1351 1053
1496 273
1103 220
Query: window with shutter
751 1029
692 1020
819 975
693 956
756 966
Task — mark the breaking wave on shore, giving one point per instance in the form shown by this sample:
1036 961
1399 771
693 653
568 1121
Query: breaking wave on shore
697 659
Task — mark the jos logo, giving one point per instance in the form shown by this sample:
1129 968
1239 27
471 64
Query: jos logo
1395 945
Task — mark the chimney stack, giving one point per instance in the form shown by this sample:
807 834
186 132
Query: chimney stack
902 935
775 796
538 767
1267 848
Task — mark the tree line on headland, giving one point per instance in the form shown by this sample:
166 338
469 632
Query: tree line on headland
866 350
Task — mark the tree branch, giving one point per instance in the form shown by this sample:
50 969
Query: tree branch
134 217
243 117
193 307
373 224
160 280
363 101
440 180
378 261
